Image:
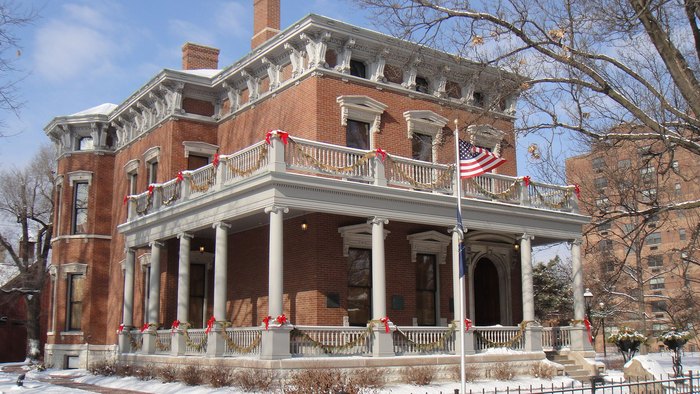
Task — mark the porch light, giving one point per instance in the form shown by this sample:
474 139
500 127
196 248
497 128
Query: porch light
588 297
516 246
201 249
304 225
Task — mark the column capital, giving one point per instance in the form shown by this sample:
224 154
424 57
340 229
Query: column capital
377 220
223 225
459 230
185 236
128 249
526 237
157 244
276 209
576 242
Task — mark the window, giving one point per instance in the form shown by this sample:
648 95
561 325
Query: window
422 147
681 234
649 195
628 227
609 266
152 173
598 163
601 182
658 306
605 245
196 161
357 134
133 183
393 74
422 85
74 315
602 202
647 172
675 165
653 239
85 143
80 207
197 295
426 288
453 90
604 226
478 99
59 191
655 260
624 164
358 68
644 151
359 286
677 189
656 283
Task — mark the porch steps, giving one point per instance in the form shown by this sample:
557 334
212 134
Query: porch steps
571 369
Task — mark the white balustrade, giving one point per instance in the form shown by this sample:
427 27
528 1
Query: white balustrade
498 187
170 192
195 342
243 341
202 179
424 340
326 159
421 175
163 341
245 163
551 197
320 341
554 338
498 337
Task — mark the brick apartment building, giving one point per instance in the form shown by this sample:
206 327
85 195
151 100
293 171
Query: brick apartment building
639 267
341 220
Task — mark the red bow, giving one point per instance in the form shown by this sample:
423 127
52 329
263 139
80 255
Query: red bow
385 320
577 191
210 324
284 136
216 160
281 319
588 329
174 327
180 177
145 327
121 328
381 154
126 198
526 180
266 320
467 325
150 189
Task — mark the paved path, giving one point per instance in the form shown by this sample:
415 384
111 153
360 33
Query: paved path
67 381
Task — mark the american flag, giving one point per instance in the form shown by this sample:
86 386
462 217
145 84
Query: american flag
474 161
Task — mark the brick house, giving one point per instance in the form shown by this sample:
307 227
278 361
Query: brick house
341 221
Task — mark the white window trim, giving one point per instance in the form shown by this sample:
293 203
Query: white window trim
357 236
428 123
486 136
131 167
73 269
429 242
152 154
80 176
145 261
199 147
363 109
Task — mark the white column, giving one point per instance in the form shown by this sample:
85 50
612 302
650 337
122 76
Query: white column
378 268
183 278
53 271
154 283
220 270
577 271
128 308
526 272
275 302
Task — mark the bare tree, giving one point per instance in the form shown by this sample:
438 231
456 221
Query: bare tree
26 197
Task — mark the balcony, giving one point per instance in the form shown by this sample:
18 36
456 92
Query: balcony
376 168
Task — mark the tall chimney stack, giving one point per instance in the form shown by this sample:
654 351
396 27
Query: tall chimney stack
197 57
266 21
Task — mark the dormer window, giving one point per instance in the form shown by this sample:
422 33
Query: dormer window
358 69
86 143
422 85
478 100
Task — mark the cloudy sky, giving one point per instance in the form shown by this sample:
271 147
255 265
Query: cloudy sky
82 53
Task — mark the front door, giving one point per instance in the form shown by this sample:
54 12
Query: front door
487 300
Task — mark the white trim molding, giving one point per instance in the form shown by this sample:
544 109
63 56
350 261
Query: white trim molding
363 109
199 147
80 176
73 268
131 167
357 236
429 242
151 154
486 136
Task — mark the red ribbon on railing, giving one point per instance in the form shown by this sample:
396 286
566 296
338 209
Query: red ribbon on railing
588 329
284 136
174 327
526 180
467 325
210 324
216 160
145 327
281 319
180 177
121 328
266 320
577 191
386 321
150 189
126 199
381 153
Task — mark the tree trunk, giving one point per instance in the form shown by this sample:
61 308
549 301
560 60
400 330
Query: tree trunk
33 325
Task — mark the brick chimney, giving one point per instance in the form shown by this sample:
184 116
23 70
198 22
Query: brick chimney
266 21
197 57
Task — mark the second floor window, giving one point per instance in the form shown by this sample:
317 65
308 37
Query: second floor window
74 312
80 207
152 172
422 147
357 134
655 261
653 239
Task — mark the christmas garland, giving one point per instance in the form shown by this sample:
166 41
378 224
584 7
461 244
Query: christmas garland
161 345
325 167
202 188
446 175
331 349
437 344
149 203
199 347
559 205
236 347
135 344
508 343
173 198
497 196
258 164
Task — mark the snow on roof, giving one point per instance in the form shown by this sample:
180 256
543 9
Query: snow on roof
205 72
102 109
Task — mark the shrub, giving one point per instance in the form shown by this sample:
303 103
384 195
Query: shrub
167 373
147 372
543 370
255 380
421 376
319 381
218 376
471 373
124 370
503 371
103 367
368 378
191 375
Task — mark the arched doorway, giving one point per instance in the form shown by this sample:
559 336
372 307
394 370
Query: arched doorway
487 301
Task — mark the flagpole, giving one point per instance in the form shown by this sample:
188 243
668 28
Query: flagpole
462 298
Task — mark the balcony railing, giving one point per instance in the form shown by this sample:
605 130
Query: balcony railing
343 163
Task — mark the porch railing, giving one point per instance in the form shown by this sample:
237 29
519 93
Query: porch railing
243 341
195 342
330 341
343 163
424 340
498 337
554 338
163 341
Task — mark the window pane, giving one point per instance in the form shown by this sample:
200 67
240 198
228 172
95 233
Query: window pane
425 308
425 289
358 306
425 272
194 161
359 286
422 146
357 134
358 69
80 208
422 85
75 301
359 267
85 143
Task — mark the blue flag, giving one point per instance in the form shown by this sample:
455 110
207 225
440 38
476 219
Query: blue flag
462 248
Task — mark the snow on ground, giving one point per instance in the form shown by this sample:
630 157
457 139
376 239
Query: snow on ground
34 384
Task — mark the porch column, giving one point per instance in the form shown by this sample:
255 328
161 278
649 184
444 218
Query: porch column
459 293
128 307
383 345
275 340
183 292
579 334
533 332
216 343
149 336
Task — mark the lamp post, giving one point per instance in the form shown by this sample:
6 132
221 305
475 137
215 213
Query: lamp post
588 297
602 323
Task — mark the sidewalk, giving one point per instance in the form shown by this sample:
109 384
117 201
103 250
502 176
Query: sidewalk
67 381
